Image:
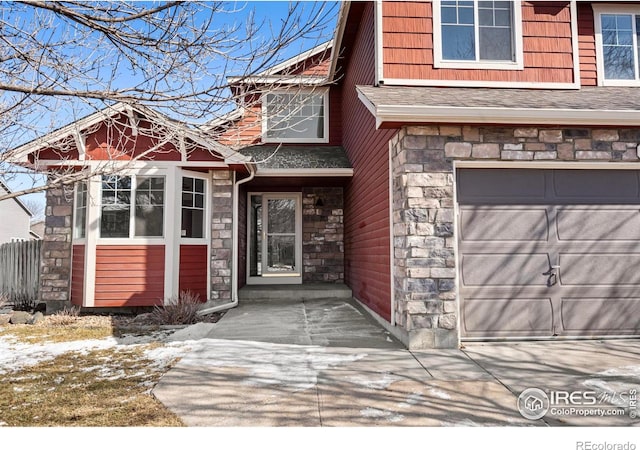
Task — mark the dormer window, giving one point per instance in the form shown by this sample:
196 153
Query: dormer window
295 115
477 34
618 45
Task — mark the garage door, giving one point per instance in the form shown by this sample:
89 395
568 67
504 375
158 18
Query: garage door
546 253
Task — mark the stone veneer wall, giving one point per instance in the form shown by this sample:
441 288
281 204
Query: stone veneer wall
322 235
221 235
55 257
423 209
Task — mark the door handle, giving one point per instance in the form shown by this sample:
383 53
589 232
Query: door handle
552 275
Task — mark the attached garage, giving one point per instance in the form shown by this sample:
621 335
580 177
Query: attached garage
548 253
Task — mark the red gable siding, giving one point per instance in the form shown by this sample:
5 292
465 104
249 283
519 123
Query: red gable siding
408 45
367 246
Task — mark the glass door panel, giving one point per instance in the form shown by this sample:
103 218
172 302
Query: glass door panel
281 235
274 238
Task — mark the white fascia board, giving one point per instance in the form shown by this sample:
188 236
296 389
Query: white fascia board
280 79
124 165
345 172
479 84
297 59
538 116
337 38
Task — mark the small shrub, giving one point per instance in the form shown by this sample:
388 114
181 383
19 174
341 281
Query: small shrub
66 316
178 311
24 302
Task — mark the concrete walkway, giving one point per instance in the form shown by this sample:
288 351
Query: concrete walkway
326 363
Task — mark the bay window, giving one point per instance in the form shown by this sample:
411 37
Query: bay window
122 194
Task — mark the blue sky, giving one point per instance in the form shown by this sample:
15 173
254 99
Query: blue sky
273 12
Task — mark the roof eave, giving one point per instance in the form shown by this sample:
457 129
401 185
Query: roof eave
498 115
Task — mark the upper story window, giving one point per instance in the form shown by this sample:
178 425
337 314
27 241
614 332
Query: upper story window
296 116
122 194
618 44
478 34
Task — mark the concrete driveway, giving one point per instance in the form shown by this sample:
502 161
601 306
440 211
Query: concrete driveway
326 363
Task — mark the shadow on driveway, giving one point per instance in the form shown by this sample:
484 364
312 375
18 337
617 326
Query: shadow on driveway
326 363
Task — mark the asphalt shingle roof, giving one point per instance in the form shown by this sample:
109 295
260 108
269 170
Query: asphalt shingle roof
298 157
587 98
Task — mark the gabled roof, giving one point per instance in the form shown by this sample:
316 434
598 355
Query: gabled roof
20 154
5 188
599 106
282 73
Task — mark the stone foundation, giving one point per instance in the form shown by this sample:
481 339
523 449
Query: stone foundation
423 206
322 235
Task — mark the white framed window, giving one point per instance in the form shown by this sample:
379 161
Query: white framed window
296 115
80 215
476 34
142 194
617 44
193 208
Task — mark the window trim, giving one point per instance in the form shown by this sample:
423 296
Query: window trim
598 11
440 63
324 91
206 211
77 239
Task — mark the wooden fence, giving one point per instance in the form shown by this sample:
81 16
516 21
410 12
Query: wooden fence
20 269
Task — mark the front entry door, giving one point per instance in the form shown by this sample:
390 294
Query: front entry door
274 237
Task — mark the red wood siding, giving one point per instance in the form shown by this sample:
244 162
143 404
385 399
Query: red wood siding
193 270
367 246
587 46
315 66
408 45
77 275
129 275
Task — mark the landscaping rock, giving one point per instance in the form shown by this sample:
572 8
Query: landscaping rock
145 319
37 317
20 318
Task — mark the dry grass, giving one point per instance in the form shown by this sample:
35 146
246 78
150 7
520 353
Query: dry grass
97 388
91 327
101 388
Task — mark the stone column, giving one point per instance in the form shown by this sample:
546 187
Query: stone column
55 257
221 235
423 239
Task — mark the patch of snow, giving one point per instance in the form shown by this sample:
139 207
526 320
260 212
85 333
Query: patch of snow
614 391
381 414
625 371
383 382
292 366
439 394
15 355
412 399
